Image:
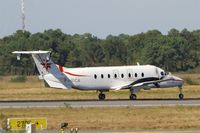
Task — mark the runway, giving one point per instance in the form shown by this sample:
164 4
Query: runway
97 103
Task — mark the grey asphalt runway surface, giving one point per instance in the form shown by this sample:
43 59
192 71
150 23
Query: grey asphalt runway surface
97 103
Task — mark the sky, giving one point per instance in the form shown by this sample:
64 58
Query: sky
100 17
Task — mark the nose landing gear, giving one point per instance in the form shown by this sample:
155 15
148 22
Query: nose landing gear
181 96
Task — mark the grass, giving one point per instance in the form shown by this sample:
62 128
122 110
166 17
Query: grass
18 79
33 89
124 118
190 79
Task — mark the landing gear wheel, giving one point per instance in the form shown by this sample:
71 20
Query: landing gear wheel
133 97
102 96
181 96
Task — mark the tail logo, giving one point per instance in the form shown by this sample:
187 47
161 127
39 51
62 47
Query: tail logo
46 65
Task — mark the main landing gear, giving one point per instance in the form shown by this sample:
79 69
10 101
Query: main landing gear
102 96
181 96
133 95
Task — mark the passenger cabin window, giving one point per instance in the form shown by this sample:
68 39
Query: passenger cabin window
108 75
142 74
102 76
122 75
115 75
135 74
95 76
129 75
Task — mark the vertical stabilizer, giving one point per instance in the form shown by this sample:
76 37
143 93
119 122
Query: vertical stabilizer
41 59
47 69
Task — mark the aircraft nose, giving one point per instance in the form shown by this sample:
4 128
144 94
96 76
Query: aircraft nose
178 80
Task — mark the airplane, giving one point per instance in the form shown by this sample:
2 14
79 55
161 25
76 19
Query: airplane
102 79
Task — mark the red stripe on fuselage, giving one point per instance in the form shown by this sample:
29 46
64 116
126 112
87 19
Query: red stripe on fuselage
72 74
61 68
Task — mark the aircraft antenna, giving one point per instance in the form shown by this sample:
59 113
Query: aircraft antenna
23 15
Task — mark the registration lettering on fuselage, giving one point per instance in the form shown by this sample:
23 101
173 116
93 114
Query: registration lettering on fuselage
75 80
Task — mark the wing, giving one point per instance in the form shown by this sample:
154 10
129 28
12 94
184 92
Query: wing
141 84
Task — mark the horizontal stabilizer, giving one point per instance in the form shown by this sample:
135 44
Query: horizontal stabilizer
31 52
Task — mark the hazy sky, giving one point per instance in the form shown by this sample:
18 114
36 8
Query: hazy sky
100 17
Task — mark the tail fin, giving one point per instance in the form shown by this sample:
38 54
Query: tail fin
47 69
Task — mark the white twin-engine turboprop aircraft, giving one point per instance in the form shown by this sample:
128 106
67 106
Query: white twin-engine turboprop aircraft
102 79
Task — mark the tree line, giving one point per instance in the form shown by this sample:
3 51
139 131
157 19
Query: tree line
176 51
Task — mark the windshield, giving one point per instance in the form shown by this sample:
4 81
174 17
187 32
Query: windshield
166 73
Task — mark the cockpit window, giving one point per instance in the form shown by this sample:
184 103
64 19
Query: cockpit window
162 73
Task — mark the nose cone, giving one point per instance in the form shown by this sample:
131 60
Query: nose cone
171 81
178 80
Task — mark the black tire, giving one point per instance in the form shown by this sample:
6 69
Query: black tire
181 96
102 96
133 97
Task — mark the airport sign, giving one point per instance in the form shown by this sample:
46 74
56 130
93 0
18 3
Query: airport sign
20 123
